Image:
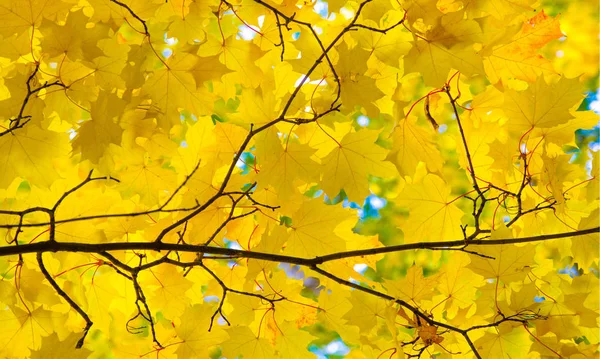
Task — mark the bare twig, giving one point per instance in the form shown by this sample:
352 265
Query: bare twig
65 296
21 119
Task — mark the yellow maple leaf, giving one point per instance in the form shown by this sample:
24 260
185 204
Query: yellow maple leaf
414 287
447 45
358 89
272 243
95 135
313 228
16 18
55 348
542 105
349 165
24 329
174 88
423 10
15 82
509 263
32 154
239 56
167 288
585 248
73 39
243 342
457 284
187 26
509 340
413 144
518 56
193 331
292 342
284 166
388 48
365 311
433 215
563 134
500 9
258 107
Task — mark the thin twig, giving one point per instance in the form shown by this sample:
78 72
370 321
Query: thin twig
65 296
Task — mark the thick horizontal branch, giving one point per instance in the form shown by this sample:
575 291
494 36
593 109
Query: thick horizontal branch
53 246
458 243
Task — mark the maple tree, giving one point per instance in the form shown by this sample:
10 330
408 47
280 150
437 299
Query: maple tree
180 179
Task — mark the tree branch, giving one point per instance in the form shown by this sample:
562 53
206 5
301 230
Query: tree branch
102 248
65 296
21 119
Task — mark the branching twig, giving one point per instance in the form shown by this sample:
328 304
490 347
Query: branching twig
21 119
226 289
141 298
65 296
400 302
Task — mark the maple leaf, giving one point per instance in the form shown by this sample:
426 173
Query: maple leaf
356 87
313 226
389 47
518 56
555 173
39 294
54 348
174 88
424 10
94 136
562 134
426 332
414 144
187 25
500 9
446 46
16 84
542 105
413 287
293 342
70 41
208 69
193 331
243 342
584 248
433 215
271 244
15 46
561 319
17 18
169 288
508 341
348 166
508 263
29 154
287 164
458 284
104 10
25 329
237 56
365 311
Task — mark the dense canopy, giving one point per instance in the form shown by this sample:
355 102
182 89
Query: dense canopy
298 179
